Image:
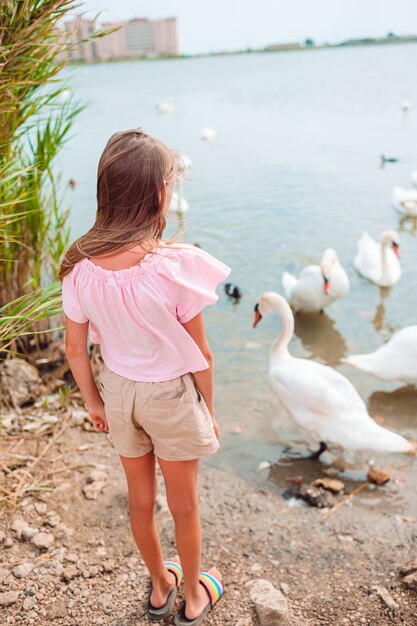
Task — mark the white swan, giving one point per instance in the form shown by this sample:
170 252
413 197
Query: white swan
321 402
318 285
406 104
379 262
405 200
207 134
178 203
414 177
395 360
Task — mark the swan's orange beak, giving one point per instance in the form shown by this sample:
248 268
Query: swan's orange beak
326 286
257 317
396 249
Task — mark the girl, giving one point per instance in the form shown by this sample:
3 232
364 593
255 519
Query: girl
141 299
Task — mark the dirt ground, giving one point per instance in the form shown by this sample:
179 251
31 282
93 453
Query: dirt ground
331 571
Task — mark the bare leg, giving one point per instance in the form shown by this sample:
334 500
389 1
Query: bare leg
142 488
181 486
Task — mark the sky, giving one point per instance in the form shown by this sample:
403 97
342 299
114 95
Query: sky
216 25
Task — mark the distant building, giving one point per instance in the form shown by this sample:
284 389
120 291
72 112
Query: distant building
136 38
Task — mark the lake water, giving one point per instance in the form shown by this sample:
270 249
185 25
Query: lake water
294 168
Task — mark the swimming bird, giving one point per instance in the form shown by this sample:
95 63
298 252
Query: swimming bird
318 285
178 203
379 263
322 403
385 159
406 104
405 200
207 134
395 360
232 291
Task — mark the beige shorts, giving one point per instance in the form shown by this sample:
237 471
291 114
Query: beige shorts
169 417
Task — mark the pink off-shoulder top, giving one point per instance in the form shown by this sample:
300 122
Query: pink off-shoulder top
135 314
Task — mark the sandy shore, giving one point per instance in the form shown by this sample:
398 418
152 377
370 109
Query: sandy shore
331 571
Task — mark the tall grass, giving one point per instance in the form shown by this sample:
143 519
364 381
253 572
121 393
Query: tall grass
37 112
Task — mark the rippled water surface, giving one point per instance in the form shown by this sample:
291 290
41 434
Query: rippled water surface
294 168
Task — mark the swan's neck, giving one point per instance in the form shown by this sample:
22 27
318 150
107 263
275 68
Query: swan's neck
280 345
384 262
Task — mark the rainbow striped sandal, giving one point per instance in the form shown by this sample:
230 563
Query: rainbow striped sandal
157 614
215 590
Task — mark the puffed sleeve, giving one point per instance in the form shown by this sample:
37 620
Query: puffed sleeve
70 301
198 276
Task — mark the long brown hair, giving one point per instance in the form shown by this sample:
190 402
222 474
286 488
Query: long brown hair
131 177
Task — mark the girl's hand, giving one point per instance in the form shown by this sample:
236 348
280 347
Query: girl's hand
98 417
216 428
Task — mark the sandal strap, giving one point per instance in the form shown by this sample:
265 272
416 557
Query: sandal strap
176 569
212 585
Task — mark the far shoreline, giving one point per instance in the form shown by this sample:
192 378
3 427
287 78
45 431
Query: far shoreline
272 49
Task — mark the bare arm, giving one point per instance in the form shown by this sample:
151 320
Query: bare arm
204 379
77 355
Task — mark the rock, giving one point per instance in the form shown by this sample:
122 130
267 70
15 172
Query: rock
40 507
410 581
52 518
316 496
378 476
105 601
97 476
8 542
20 382
28 533
17 525
331 484
109 565
271 606
43 541
72 557
4 573
285 588
92 490
69 573
29 603
7 598
56 609
22 570
62 530
386 597
2 536
263 465
410 568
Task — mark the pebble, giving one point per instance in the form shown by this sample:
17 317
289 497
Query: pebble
56 609
8 542
97 476
271 605
92 490
69 573
4 573
52 518
43 540
28 533
29 603
22 570
17 525
40 507
2 536
7 598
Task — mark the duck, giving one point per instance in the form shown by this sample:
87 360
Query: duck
405 200
379 263
414 177
318 285
207 133
232 291
321 402
395 360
